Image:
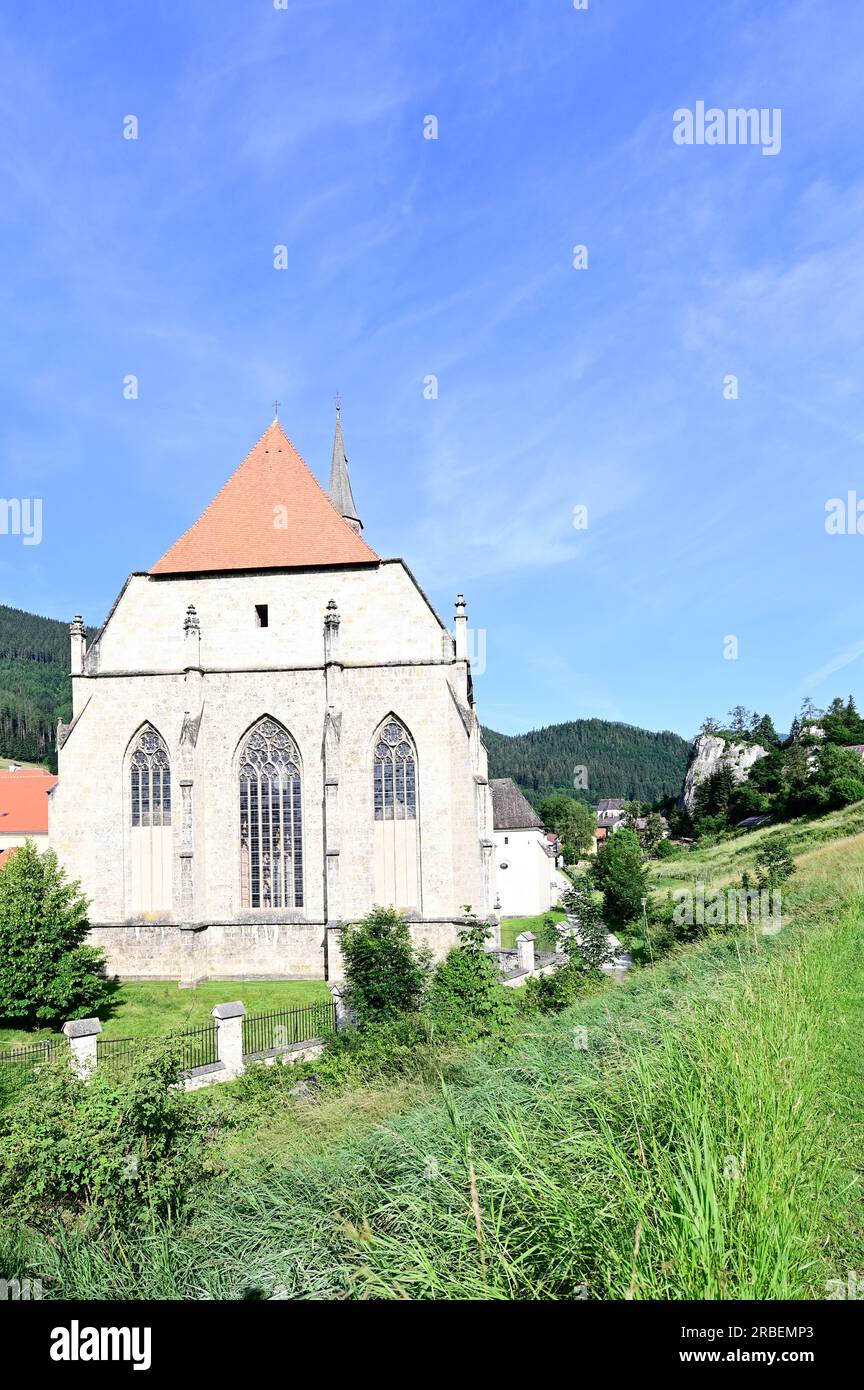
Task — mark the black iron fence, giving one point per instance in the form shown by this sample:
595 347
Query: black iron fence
33 1054
263 1033
197 1048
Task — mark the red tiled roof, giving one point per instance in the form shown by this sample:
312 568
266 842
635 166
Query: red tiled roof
271 514
24 801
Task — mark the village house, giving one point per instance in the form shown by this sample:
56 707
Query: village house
23 808
527 879
610 813
272 732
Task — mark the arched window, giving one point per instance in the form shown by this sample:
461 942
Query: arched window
150 845
271 819
395 774
394 800
151 781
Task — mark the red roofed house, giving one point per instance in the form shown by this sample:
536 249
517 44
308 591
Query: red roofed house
23 808
272 732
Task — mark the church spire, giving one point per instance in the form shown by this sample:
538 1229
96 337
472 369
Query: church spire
340 484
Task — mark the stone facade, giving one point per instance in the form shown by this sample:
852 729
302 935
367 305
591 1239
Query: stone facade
344 648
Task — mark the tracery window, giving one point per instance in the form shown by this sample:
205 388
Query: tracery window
151 781
395 774
271 819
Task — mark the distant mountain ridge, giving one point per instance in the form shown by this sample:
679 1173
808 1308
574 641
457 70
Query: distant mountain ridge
620 760
35 686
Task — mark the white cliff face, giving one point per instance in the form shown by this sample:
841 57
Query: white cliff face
707 754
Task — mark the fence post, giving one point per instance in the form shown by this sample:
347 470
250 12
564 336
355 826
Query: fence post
525 951
83 1035
344 1015
229 1036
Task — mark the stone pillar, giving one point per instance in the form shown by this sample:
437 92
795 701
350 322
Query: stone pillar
332 762
344 1015
461 629
78 643
191 638
461 651
83 1034
185 842
229 1036
525 951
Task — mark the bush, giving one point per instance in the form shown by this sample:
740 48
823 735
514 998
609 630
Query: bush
774 864
46 973
666 850
122 1145
620 874
552 993
466 997
385 973
592 950
397 1047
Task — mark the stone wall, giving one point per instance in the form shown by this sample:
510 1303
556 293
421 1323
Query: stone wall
241 950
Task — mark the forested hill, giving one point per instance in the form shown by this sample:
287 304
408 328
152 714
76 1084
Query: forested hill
35 688
620 760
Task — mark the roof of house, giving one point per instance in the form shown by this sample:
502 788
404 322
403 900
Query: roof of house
610 803
6 855
510 809
24 801
271 514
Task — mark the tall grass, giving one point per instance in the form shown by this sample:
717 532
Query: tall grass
702 1145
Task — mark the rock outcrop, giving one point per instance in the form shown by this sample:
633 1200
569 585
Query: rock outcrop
709 752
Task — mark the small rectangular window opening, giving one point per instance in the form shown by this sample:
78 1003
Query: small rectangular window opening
262 615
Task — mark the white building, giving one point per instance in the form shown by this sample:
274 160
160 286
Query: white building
526 879
272 732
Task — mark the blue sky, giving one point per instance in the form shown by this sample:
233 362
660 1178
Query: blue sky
410 257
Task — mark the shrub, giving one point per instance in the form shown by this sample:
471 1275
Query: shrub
592 950
619 872
666 850
466 997
46 973
122 1145
358 1056
774 863
385 973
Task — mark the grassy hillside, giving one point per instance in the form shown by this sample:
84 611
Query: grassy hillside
620 760
704 1144
35 688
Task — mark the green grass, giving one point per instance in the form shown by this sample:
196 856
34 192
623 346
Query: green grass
705 1144
512 926
721 863
151 1008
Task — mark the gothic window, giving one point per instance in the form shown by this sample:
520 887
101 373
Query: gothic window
271 819
395 781
151 781
149 843
395 833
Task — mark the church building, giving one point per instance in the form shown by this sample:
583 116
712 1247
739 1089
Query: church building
272 732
